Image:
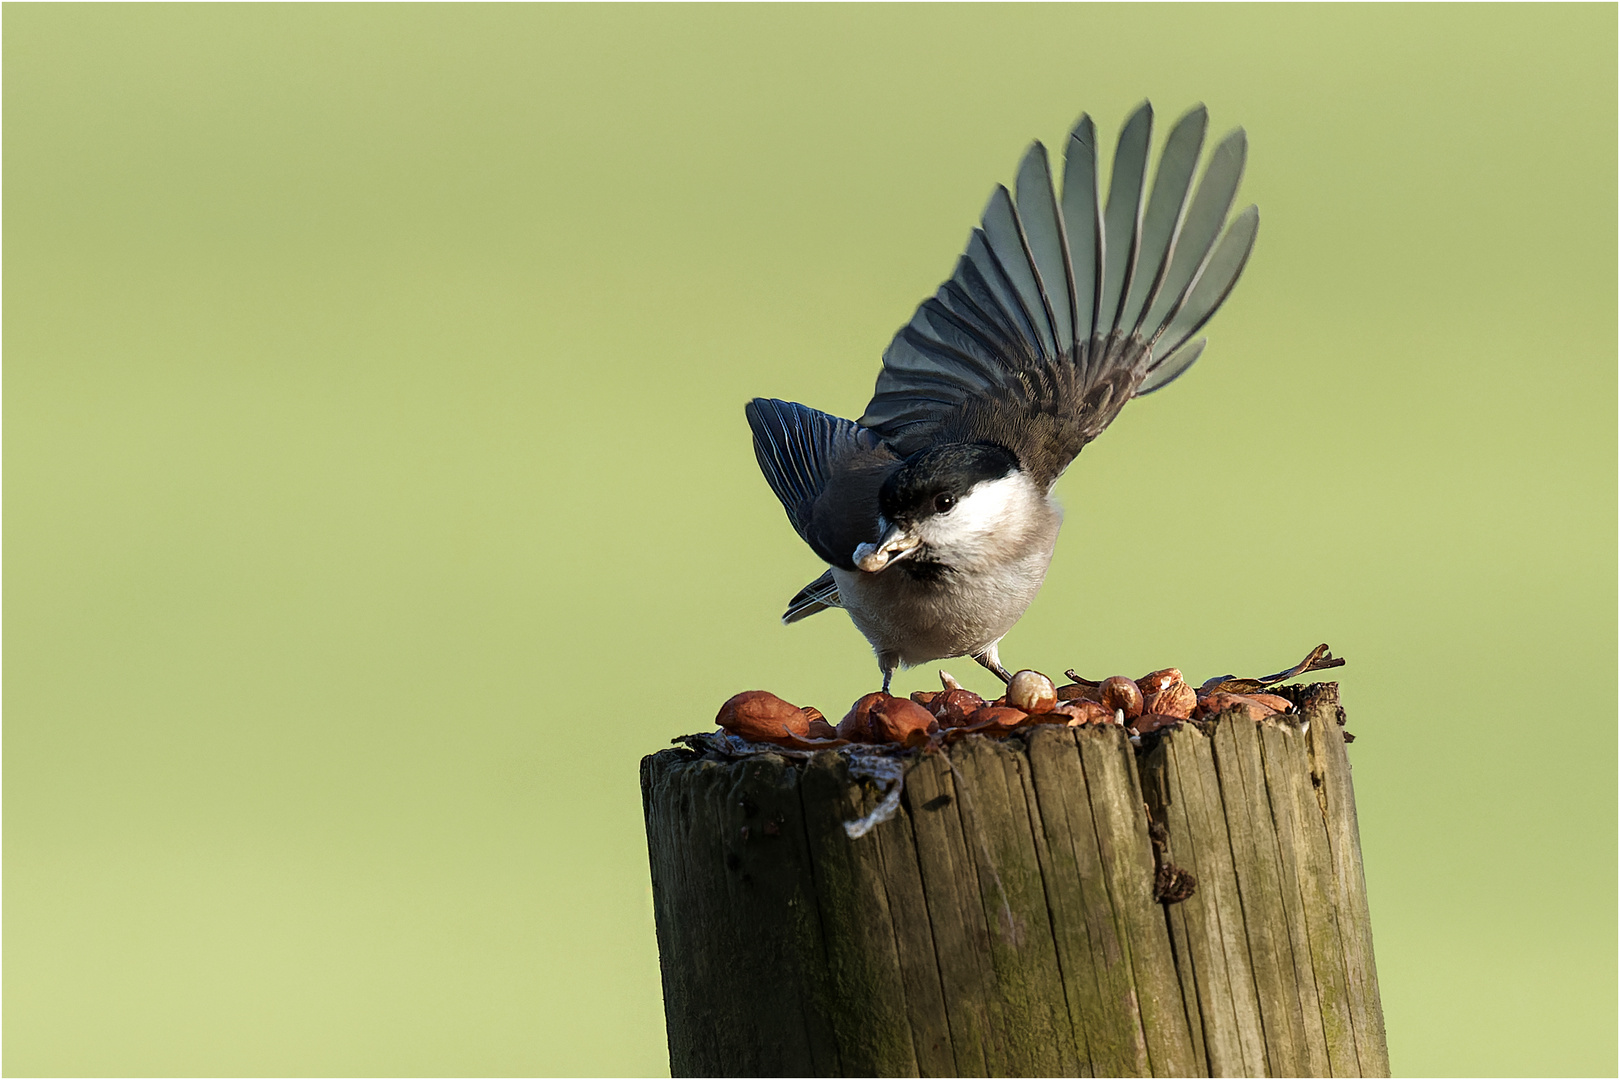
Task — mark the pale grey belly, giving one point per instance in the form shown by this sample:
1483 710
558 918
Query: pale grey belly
915 621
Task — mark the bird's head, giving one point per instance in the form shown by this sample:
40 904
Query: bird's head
947 504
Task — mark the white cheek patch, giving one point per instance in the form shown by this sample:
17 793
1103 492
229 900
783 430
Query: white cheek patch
989 503
986 510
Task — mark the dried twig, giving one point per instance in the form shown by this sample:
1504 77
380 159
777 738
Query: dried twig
1317 659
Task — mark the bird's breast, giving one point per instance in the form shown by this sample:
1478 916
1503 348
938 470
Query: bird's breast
922 610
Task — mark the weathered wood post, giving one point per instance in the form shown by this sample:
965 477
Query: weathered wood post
1025 910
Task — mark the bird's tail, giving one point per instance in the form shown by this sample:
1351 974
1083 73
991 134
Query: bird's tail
819 595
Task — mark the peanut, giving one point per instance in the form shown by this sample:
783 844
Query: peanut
1031 692
760 716
1122 695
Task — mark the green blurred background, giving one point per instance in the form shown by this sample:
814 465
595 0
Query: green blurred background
377 489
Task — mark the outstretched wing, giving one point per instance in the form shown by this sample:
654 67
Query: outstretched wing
804 454
1063 308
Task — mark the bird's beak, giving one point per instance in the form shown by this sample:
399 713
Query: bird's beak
896 544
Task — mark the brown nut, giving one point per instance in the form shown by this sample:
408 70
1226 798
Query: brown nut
1272 701
1253 702
1150 722
994 718
760 716
1178 701
856 726
813 713
1072 713
1122 695
952 707
1158 680
820 729
813 741
1165 692
1086 712
1031 692
1219 702
1079 692
897 720
926 698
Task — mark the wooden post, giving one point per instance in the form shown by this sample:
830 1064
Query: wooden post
1025 910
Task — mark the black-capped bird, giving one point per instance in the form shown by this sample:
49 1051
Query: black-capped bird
934 511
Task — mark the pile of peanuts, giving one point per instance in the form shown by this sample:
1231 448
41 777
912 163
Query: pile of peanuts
1156 701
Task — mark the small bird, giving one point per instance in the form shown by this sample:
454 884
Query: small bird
934 511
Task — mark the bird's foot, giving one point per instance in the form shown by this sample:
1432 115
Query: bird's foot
992 662
888 665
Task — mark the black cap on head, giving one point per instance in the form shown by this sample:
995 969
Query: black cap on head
932 480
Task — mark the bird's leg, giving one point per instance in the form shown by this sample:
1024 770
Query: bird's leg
887 664
991 659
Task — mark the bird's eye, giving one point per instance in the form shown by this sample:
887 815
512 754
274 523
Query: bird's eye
943 502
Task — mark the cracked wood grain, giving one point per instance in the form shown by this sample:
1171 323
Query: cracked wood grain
1003 921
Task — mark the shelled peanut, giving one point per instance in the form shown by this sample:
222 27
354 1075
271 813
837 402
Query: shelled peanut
1158 700
761 716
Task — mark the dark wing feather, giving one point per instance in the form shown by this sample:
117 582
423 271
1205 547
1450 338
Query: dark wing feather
1047 246
1162 221
819 595
1166 371
1122 221
971 341
1082 224
796 447
973 291
1214 284
1205 216
1000 294
1006 238
825 470
1061 309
